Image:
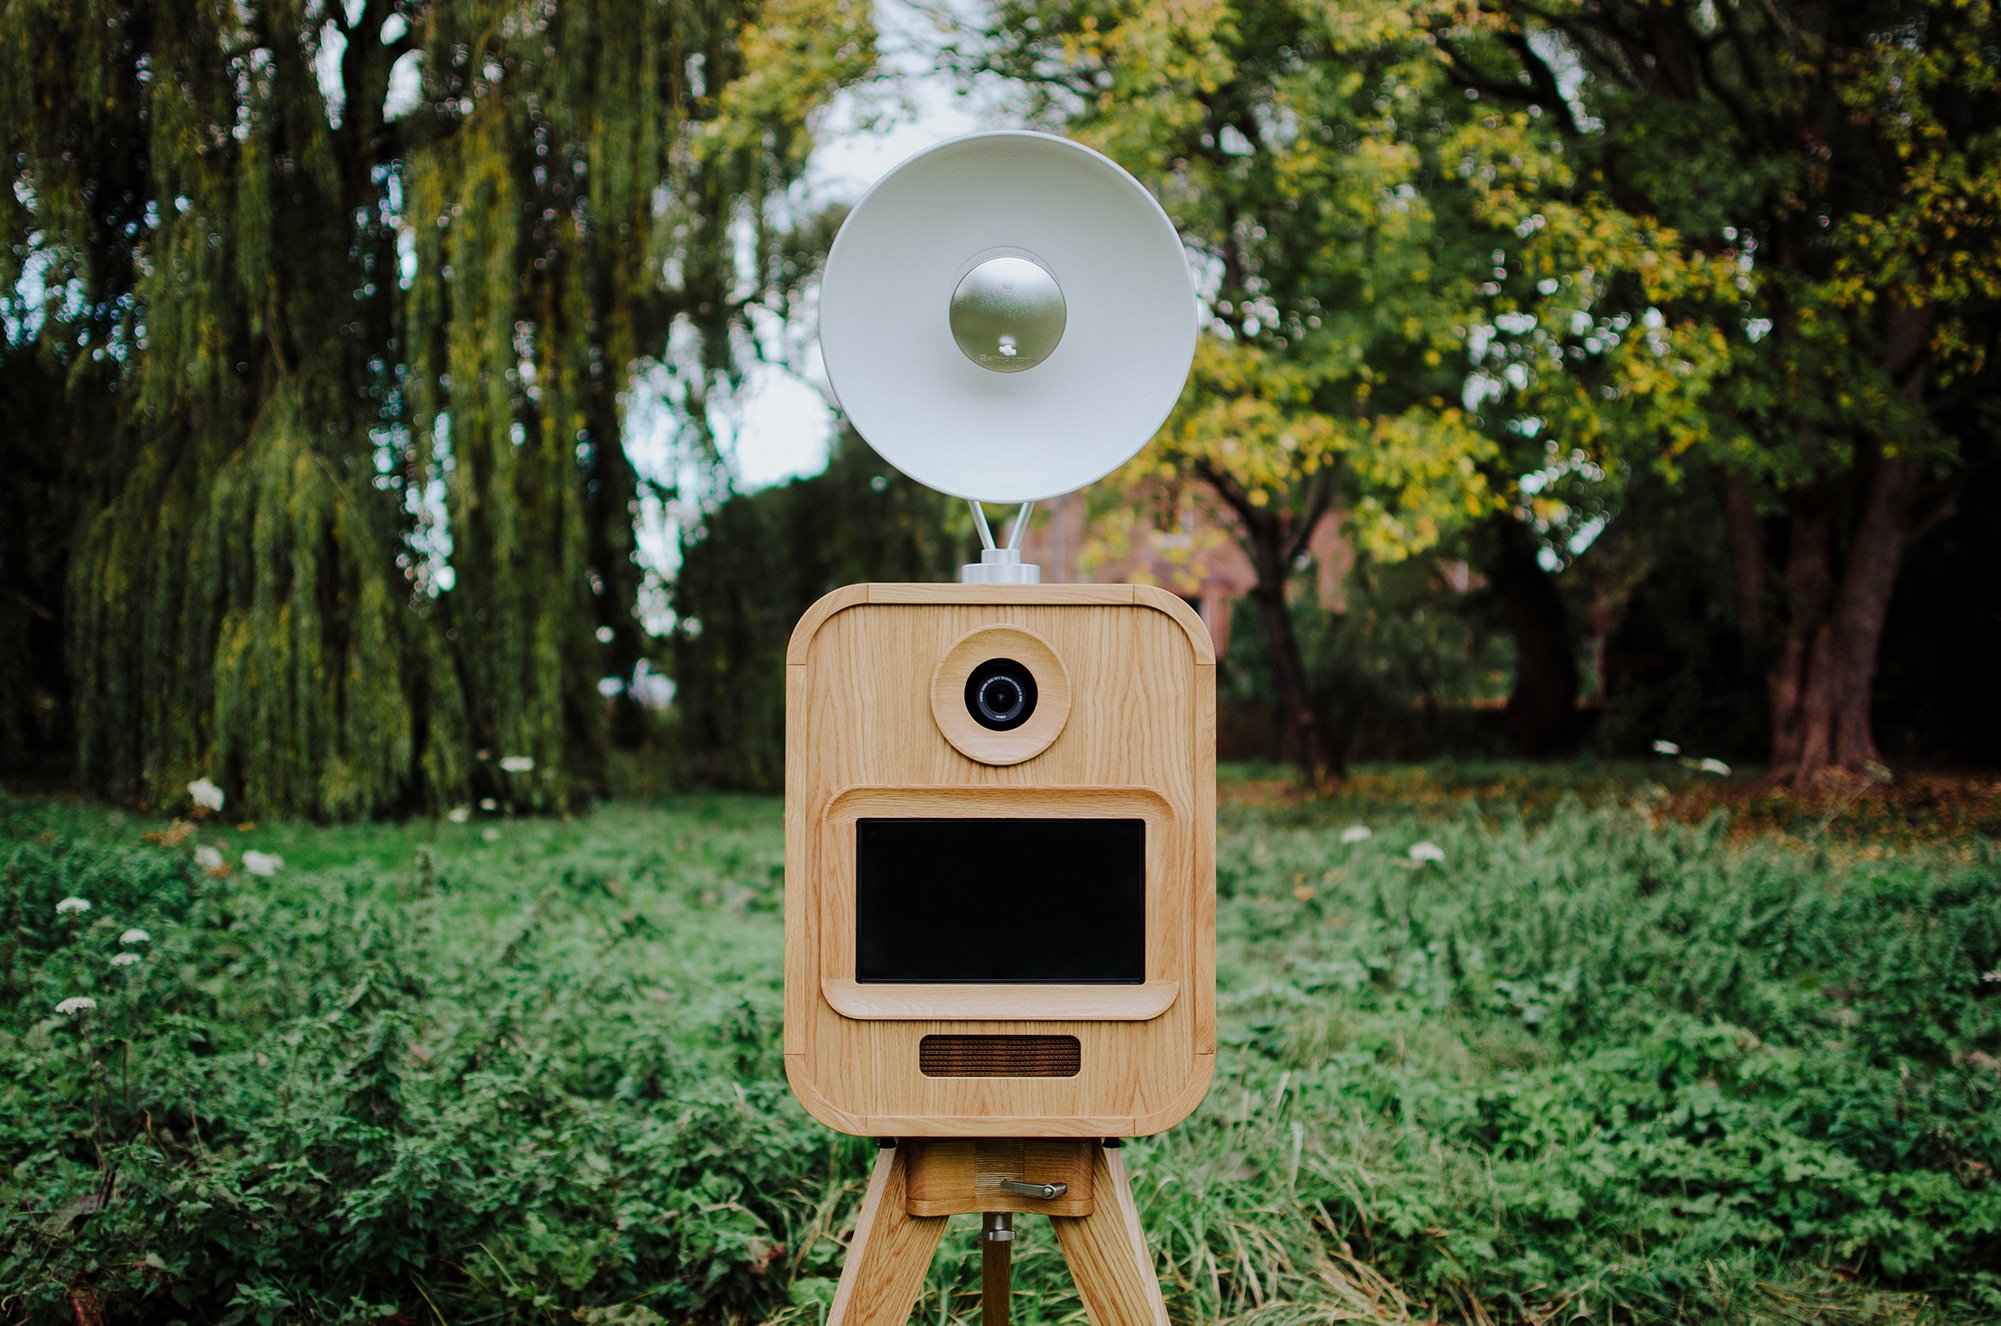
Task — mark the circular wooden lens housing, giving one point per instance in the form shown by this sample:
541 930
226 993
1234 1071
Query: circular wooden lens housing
1000 695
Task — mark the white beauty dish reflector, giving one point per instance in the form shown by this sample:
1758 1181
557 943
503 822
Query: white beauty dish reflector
1123 325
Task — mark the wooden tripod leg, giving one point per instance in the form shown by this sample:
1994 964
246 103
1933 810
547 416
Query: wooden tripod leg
890 1253
1107 1252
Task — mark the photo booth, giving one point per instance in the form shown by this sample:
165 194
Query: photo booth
1000 794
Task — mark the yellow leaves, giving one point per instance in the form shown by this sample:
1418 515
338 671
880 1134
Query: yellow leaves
794 58
1503 158
1085 45
1247 415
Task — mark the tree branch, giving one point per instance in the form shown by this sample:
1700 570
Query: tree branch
1461 70
1574 31
1942 499
1226 488
1544 80
1320 498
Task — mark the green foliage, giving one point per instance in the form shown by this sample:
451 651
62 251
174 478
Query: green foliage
1473 269
1587 1063
40 510
1851 170
1386 667
1673 662
1639 1053
1425 315
518 1075
1841 156
748 573
349 298
1414 287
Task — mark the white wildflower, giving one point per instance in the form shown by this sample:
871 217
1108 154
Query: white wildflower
1711 765
75 1004
518 764
208 857
263 863
206 794
1357 833
1426 852
488 803
1992 977
491 835
1666 748
135 936
459 814
124 959
73 904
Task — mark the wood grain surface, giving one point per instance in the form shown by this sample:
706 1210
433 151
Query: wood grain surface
951 1177
862 740
889 1254
1107 1253
917 1186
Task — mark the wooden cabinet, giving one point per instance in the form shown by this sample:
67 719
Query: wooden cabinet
886 754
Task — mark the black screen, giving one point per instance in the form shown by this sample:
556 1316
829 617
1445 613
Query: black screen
1045 901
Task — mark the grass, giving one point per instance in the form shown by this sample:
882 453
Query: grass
1600 1063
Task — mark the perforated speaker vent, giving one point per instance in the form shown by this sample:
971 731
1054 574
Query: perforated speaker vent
999 1056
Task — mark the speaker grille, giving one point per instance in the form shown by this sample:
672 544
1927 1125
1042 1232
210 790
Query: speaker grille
999 1056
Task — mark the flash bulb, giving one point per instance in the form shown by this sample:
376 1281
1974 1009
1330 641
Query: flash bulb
1008 314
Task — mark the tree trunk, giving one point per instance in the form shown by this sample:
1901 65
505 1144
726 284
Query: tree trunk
1542 707
1313 748
1822 675
1809 582
611 505
1747 558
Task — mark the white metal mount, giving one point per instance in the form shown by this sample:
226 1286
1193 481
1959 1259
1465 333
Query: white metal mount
1000 565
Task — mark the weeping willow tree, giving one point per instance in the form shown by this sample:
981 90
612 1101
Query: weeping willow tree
349 300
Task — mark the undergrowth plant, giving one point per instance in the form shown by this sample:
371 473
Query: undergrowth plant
1583 1067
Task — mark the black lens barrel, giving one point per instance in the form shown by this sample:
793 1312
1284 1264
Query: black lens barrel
1000 694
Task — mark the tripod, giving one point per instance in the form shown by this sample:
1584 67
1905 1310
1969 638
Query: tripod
1080 1184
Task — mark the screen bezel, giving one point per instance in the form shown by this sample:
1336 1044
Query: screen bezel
1169 932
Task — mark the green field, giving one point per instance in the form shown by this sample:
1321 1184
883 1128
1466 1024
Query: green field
1594 1065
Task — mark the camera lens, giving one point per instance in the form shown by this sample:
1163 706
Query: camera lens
1000 694
1001 699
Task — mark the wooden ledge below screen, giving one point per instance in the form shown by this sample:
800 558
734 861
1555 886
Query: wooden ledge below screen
1007 1003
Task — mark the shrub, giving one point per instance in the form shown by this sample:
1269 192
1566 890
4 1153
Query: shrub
1584 1064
